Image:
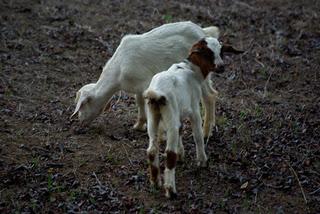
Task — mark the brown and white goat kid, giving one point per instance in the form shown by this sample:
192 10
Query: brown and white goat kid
137 59
174 95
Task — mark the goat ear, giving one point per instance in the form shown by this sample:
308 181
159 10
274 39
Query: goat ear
195 50
81 100
230 49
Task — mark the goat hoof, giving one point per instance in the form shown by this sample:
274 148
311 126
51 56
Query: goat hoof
139 127
171 194
203 164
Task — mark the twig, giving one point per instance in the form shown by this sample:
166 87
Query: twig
55 165
255 197
245 5
127 155
251 43
296 176
314 192
265 86
97 179
260 63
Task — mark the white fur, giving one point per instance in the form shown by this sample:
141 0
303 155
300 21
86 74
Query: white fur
215 46
137 59
172 96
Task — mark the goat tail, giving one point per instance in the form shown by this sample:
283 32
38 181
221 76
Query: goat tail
212 31
154 100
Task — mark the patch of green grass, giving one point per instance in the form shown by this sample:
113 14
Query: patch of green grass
82 162
234 148
141 173
246 204
263 72
34 205
35 162
244 133
110 158
50 183
221 121
7 93
167 18
222 203
141 210
73 195
154 190
258 111
243 114
92 200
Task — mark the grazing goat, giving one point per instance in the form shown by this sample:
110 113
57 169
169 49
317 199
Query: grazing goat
137 59
174 95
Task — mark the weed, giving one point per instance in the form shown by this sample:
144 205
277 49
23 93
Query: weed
35 162
246 204
7 93
234 148
33 205
263 72
82 162
167 18
50 183
221 121
243 114
73 195
141 210
92 200
258 111
140 173
111 159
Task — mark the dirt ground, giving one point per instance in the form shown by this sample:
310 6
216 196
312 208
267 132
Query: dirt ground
264 154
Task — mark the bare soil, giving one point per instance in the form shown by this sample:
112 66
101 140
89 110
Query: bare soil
264 154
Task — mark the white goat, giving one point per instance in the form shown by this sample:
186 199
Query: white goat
174 95
137 59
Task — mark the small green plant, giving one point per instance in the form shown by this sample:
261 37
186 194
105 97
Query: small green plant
221 121
35 162
244 133
50 183
33 204
258 111
82 162
73 195
140 173
141 210
92 200
227 193
222 203
234 148
246 204
167 18
111 159
263 72
243 115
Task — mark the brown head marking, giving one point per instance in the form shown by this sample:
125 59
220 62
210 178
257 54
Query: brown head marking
202 56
